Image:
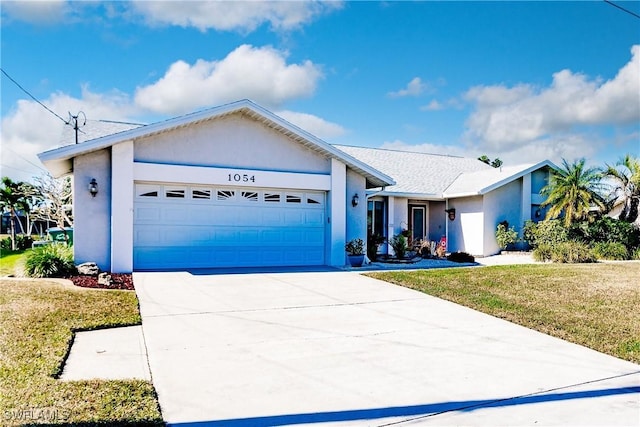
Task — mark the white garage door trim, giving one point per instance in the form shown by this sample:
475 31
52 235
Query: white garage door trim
198 226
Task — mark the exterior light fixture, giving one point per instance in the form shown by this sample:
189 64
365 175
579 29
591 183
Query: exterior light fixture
452 213
93 187
355 200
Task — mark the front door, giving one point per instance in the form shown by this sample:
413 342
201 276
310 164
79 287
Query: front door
418 216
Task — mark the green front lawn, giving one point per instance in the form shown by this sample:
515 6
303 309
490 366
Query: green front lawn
36 320
11 262
595 305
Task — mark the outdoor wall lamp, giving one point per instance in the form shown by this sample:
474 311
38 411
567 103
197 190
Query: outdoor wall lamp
355 200
93 187
452 213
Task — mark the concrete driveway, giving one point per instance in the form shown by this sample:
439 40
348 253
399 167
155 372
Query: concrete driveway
337 348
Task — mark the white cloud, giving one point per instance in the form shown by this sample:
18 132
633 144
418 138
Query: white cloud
30 129
414 88
510 118
35 12
434 105
243 16
313 124
260 74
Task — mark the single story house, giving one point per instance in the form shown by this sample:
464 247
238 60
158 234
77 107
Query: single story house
238 186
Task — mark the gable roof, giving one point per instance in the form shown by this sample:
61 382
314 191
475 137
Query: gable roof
95 129
484 181
59 160
438 177
417 174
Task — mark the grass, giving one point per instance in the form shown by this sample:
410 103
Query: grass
595 305
36 322
12 262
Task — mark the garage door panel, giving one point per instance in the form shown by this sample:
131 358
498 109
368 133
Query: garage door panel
209 227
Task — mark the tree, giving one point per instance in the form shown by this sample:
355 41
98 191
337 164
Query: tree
54 198
573 190
13 199
626 177
496 163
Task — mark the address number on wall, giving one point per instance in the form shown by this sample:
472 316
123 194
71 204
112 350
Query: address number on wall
236 177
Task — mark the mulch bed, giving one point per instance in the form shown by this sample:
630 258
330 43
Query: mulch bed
119 281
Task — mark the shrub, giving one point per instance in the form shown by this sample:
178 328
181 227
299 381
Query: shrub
572 252
399 245
548 232
506 236
461 257
636 254
373 242
607 229
355 247
5 244
610 250
542 253
55 260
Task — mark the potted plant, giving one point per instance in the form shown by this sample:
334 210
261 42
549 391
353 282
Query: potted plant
355 249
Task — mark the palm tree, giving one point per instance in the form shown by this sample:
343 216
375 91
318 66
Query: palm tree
626 176
573 190
13 199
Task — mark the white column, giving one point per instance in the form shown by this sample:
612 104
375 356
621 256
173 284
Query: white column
122 207
338 214
525 208
391 227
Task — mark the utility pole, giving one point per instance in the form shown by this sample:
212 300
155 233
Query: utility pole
73 121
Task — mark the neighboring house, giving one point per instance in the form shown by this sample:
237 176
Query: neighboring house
238 186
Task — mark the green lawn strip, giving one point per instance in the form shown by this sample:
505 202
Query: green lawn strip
595 305
37 318
10 261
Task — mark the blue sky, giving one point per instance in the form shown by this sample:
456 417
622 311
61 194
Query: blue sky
523 81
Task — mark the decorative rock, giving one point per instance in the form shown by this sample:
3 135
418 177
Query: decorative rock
88 269
105 279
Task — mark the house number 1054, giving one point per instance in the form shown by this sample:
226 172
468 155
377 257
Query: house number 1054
236 177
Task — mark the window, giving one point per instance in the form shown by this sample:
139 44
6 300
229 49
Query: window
376 220
226 194
294 198
250 195
174 193
145 190
314 199
200 194
272 197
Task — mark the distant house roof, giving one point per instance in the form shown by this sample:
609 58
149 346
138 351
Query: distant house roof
484 181
416 174
59 160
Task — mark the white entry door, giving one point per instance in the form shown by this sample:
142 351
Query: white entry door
180 226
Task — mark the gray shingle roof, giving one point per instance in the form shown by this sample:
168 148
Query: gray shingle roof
417 173
94 129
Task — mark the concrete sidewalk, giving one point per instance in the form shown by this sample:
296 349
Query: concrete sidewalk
343 349
111 354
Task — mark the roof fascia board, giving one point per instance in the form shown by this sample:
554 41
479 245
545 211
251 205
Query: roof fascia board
424 196
505 181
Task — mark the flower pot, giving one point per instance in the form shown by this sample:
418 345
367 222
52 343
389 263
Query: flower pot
356 260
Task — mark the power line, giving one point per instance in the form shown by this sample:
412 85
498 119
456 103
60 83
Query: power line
622 9
32 97
26 160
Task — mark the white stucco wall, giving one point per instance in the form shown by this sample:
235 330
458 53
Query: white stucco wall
400 215
437 220
92 215
234 141
502 204
466 232
356 216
